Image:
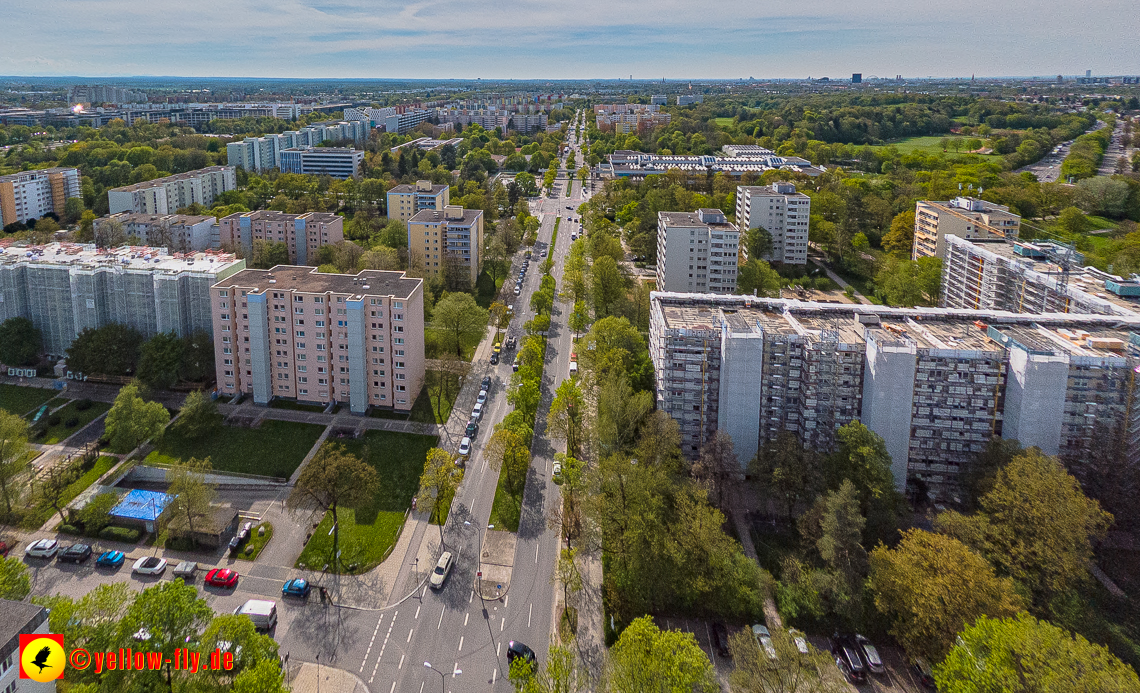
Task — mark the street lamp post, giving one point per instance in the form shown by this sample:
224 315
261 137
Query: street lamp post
442 676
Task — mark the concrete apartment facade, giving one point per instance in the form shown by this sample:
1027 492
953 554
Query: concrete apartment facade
964 217
20 618
937 384
304 234
65 288
179 233
406 201
453 235
296 333
338 162
168 195
32 194
783 213
697 252
1024 277
264 153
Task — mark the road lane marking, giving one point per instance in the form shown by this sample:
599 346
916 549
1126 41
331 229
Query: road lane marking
417 612
393 688
413 630
401 664
536 554
503 624
383 646
422 687
369 650
460 644
440 619
465 617
455 670
505 600
471 599
529 614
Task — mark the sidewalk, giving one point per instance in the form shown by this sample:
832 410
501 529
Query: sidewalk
308 677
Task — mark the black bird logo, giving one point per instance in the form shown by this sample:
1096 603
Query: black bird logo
41 659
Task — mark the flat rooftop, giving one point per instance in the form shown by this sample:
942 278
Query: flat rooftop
435 216
309 280
170 179
273 215
409 188
693 219
140 218
130 257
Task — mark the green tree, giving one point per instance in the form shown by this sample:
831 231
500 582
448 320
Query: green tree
791 472
269 254
1035 526
1074 221
1020 654
579 318
565 420
931 586
910 283
112 349
758 242
193 498
334 478
199 416
460 320
438 483
20 342
607 285
13 446
861 457
97 513
756 277
790 672
264 677
171 612
841 533
132 420
900 238
238 635
508 453
161 360
197 358
646 658
15 582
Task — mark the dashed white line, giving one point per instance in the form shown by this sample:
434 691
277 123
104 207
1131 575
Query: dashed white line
455 670
440 619
393 688
413 630
529 614
502 624
422 687
417 612
472 597
383 646
505 600
536 553
401 664
369 650
460 644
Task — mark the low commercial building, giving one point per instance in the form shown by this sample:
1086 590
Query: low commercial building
936 384
697 252
637 165
172 193
338 162
296 333
405 201
65 288
304 234
179 233
449 241
783 213
32 194
20 618
964 217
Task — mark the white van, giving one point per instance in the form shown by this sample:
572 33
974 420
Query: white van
573 369
262 612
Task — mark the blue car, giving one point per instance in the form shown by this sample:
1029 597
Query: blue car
297 587
110 559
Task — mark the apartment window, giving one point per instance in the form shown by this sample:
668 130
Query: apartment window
396 340
223 294
302 379
301 345
399 364
298 299
303 391
320 323
320 358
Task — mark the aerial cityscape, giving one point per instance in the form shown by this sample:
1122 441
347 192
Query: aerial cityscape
800 355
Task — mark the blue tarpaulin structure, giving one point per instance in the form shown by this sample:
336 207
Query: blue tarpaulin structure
144 506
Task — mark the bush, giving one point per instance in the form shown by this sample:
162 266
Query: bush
72 422
83 404
180 544
123 534
53 420
69 529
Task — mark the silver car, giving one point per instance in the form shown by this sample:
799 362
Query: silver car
442 570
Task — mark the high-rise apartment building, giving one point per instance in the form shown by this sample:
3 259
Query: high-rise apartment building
406 201
32 194
697 252
964 217
449 241
1025 277
65 288
936 384
179 233
783 213
304 234
338 162
172 193
264 153
296 333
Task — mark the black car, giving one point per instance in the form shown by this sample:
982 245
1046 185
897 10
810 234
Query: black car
76 553
847 658
486 383
472 429
720 640
870 655
494 359
516 650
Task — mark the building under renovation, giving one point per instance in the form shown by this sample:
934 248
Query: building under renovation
65 288
936 384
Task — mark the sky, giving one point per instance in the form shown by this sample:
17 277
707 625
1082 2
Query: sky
567 39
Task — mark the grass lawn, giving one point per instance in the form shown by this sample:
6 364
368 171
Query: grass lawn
723 122
22 400
275 449
505 512
927 145
255 544
434 339
297 406
424 409
42 512
62 431
368 532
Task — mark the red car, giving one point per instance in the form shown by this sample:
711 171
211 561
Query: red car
222 577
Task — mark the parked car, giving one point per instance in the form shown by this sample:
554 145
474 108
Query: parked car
465 447
222 577
573 356
186 570
516 650
573 369
870 655
847 659
720 640
482 397
764 640
556 475
922 671
800 640
472 429
494 359
110 559
515 365
498 348
149 565
44 548
512 343
477 412
487 383
76 553
297 587
518 289
442 570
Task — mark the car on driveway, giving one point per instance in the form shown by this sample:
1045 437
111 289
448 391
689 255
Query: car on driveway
185 570
44 548
5 547
517 650
720 640
110 559
222 577
76 553
442 570
149 565
297 587
922 671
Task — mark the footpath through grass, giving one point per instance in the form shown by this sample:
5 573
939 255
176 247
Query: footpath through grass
22 400
61 431
368 532
275 449
40 514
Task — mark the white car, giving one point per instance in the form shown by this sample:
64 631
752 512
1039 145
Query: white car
44 548
482 397
465 447
800 640
442 569
149 565
764 640
477 412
